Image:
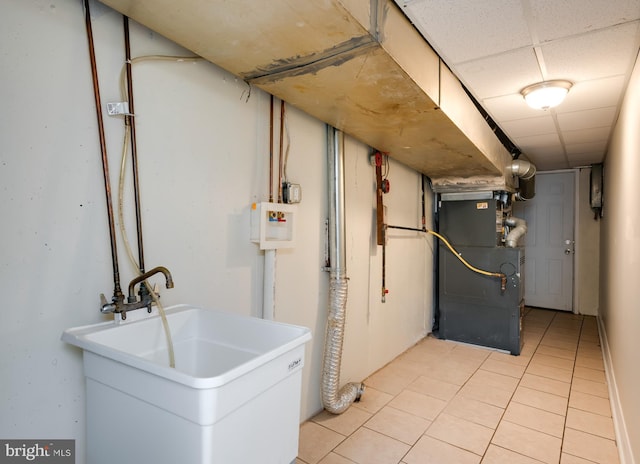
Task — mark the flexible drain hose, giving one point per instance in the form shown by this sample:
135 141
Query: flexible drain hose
336 401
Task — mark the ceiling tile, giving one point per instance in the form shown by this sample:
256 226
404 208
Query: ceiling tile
468 30
598 93
589 147
508 107
549 161
544 142
553 19
531 126
599 134
547 156
503 74
555 165
585 160
540 149
605 53
600 117
542 158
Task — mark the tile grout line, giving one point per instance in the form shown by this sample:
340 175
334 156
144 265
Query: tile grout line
514 390
548 326
564 428
578 430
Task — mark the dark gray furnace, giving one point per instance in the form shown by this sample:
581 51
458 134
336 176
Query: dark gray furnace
472 307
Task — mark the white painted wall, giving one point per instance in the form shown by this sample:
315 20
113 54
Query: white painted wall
203 151
587 250
620 260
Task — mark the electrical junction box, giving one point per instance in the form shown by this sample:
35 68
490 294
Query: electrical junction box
291 193
272 225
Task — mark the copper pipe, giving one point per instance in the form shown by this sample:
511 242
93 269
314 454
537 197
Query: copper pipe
379 201
424 209
271 152
281 156
384 265
130 121
117 292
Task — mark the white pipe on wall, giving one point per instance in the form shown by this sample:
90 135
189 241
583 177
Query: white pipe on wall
269 285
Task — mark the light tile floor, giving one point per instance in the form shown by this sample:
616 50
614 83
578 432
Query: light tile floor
443 402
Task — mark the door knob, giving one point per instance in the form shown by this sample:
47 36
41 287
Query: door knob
567 251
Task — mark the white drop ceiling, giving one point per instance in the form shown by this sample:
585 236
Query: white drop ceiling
498 47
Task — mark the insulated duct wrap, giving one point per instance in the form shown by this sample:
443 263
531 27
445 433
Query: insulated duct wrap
336 400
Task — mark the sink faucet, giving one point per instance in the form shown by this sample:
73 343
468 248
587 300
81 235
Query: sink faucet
118 305
156 270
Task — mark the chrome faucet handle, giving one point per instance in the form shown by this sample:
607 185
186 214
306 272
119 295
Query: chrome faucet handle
105 306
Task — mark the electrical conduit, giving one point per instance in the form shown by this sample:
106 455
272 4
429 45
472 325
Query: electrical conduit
336 400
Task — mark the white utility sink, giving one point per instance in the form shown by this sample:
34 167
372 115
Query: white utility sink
233 397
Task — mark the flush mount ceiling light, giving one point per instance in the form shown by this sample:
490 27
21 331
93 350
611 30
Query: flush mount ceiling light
545 95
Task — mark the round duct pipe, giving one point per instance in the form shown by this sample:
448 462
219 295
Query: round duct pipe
336 400
526 172
519 229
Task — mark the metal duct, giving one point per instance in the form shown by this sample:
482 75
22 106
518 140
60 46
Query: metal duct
527 174
334 400
519 229
359 66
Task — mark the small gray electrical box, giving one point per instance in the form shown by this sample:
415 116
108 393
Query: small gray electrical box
291 193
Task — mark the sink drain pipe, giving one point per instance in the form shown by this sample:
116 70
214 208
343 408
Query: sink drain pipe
336 400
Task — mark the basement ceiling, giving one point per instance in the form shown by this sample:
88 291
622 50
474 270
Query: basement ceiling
498 47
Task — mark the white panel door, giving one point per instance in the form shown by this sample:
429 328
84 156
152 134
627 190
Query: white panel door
549 242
